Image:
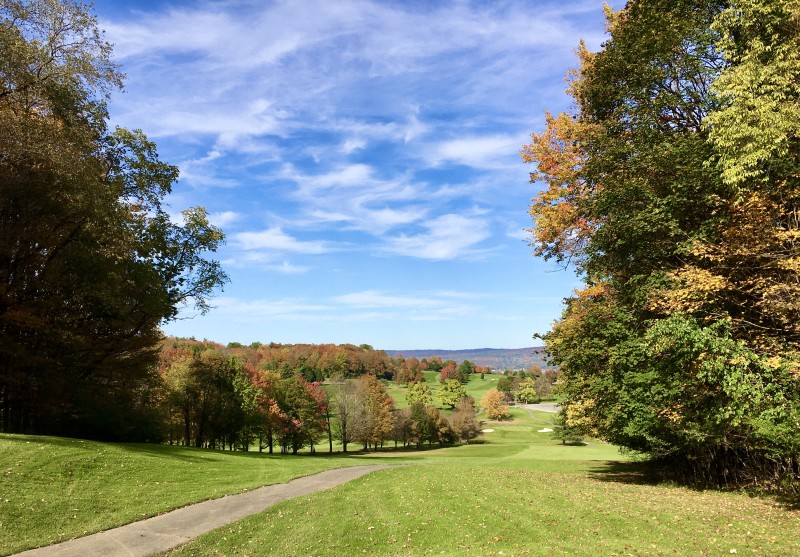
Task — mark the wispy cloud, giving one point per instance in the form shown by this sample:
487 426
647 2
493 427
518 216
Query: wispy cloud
489 151
339 142
446 237
275 240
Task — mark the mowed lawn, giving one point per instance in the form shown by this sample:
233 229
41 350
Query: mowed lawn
515 492
54 489
476 388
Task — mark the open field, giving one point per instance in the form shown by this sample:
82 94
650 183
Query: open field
515 492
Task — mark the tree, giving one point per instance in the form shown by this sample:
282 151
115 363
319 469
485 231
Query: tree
493 403
451 392
348 409
440 431
90 262
564 432
421 427
527 392
673 189
463 421
373 421
507 384
465 369
449 371
419 392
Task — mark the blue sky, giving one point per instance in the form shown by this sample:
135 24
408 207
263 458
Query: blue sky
362 158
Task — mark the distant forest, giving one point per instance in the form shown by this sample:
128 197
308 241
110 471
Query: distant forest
498 359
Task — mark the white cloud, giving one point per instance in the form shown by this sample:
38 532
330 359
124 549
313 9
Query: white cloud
446 237
374 299
490 151
223 218
259 309
274 239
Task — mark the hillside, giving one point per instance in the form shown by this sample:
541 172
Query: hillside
496 358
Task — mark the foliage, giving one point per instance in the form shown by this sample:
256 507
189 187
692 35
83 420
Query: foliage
463 420
465 369
449 372
565 432
673 189
419 392
527 392
507 384
90 262
451 392
493 403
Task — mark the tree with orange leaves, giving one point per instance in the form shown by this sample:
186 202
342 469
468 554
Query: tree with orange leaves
673 190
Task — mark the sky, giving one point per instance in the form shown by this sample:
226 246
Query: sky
362 158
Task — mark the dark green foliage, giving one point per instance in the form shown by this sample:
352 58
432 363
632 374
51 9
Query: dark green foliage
90 263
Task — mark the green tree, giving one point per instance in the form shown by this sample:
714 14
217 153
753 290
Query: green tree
451 392
419 392
527 392
90 263
465 369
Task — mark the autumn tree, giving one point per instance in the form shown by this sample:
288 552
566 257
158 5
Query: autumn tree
493 403
448 372
463 420
373 423
348 411
672 189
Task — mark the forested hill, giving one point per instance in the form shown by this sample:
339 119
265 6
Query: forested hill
496 358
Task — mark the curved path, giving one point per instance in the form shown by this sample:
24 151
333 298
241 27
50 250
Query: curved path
169 530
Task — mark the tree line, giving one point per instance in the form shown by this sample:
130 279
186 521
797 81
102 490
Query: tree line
240 397
672 188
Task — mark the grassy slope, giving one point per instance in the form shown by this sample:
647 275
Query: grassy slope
515 494
55 489
476 388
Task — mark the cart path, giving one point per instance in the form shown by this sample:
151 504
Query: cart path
166 531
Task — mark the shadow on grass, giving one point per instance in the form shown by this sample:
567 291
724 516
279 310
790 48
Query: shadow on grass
636 473
646 473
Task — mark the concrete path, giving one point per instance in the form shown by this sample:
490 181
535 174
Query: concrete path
169 530
542 407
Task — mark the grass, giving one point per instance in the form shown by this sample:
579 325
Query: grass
515 492
476 388
55 489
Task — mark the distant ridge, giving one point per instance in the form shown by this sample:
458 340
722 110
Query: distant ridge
496 358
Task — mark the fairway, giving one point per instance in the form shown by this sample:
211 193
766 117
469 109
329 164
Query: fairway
514 492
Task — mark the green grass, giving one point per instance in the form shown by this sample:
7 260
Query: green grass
55 489
514 492
476 388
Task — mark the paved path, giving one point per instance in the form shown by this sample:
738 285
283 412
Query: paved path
177 527
542 407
